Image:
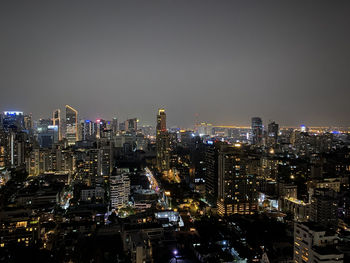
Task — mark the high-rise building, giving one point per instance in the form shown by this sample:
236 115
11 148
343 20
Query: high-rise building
87 130
105 159
272 129
324 208
122 126
315 244
162 142
205 129
3 153
100 127
13 120
211 174
91 165
103 129
41 160
131 125
16 148
272 134
109 125
47 134
115 126
161 120
257 130
28 122
56 121
13 147
119 186
71 125
237 189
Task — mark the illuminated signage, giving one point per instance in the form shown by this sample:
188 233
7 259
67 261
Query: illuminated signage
16 113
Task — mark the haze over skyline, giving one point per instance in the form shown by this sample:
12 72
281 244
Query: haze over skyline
227 61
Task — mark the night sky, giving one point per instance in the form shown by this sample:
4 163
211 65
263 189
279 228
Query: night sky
226 61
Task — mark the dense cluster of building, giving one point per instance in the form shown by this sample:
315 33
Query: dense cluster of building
66 181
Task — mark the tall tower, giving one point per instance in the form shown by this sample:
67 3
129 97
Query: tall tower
115 127
257 130
272 133
28 122
131 125
71 125
161 120
237 189
56 121
163 142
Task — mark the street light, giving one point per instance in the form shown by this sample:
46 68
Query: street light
175 254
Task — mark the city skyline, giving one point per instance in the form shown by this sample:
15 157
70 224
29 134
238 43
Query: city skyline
221 63
191 131
196 122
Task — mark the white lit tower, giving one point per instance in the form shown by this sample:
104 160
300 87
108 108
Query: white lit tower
71 125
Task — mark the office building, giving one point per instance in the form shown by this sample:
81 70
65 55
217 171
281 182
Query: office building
46 133
101 125
115 126
56 121
28 122
272 134
273 129
87 130
257 131
131 125
71 125
13 120
204 129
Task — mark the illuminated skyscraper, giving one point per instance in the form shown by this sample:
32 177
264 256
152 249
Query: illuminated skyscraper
211 174
115 127
161 120
273 129
272 134
100 127
28 122
257 130
71 125
163 142
56 121
119 183
13 119
87 130
237 189
46 133
131 125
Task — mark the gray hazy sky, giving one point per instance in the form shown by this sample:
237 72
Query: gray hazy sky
225 60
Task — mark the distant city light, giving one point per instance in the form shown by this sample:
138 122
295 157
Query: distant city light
13 113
